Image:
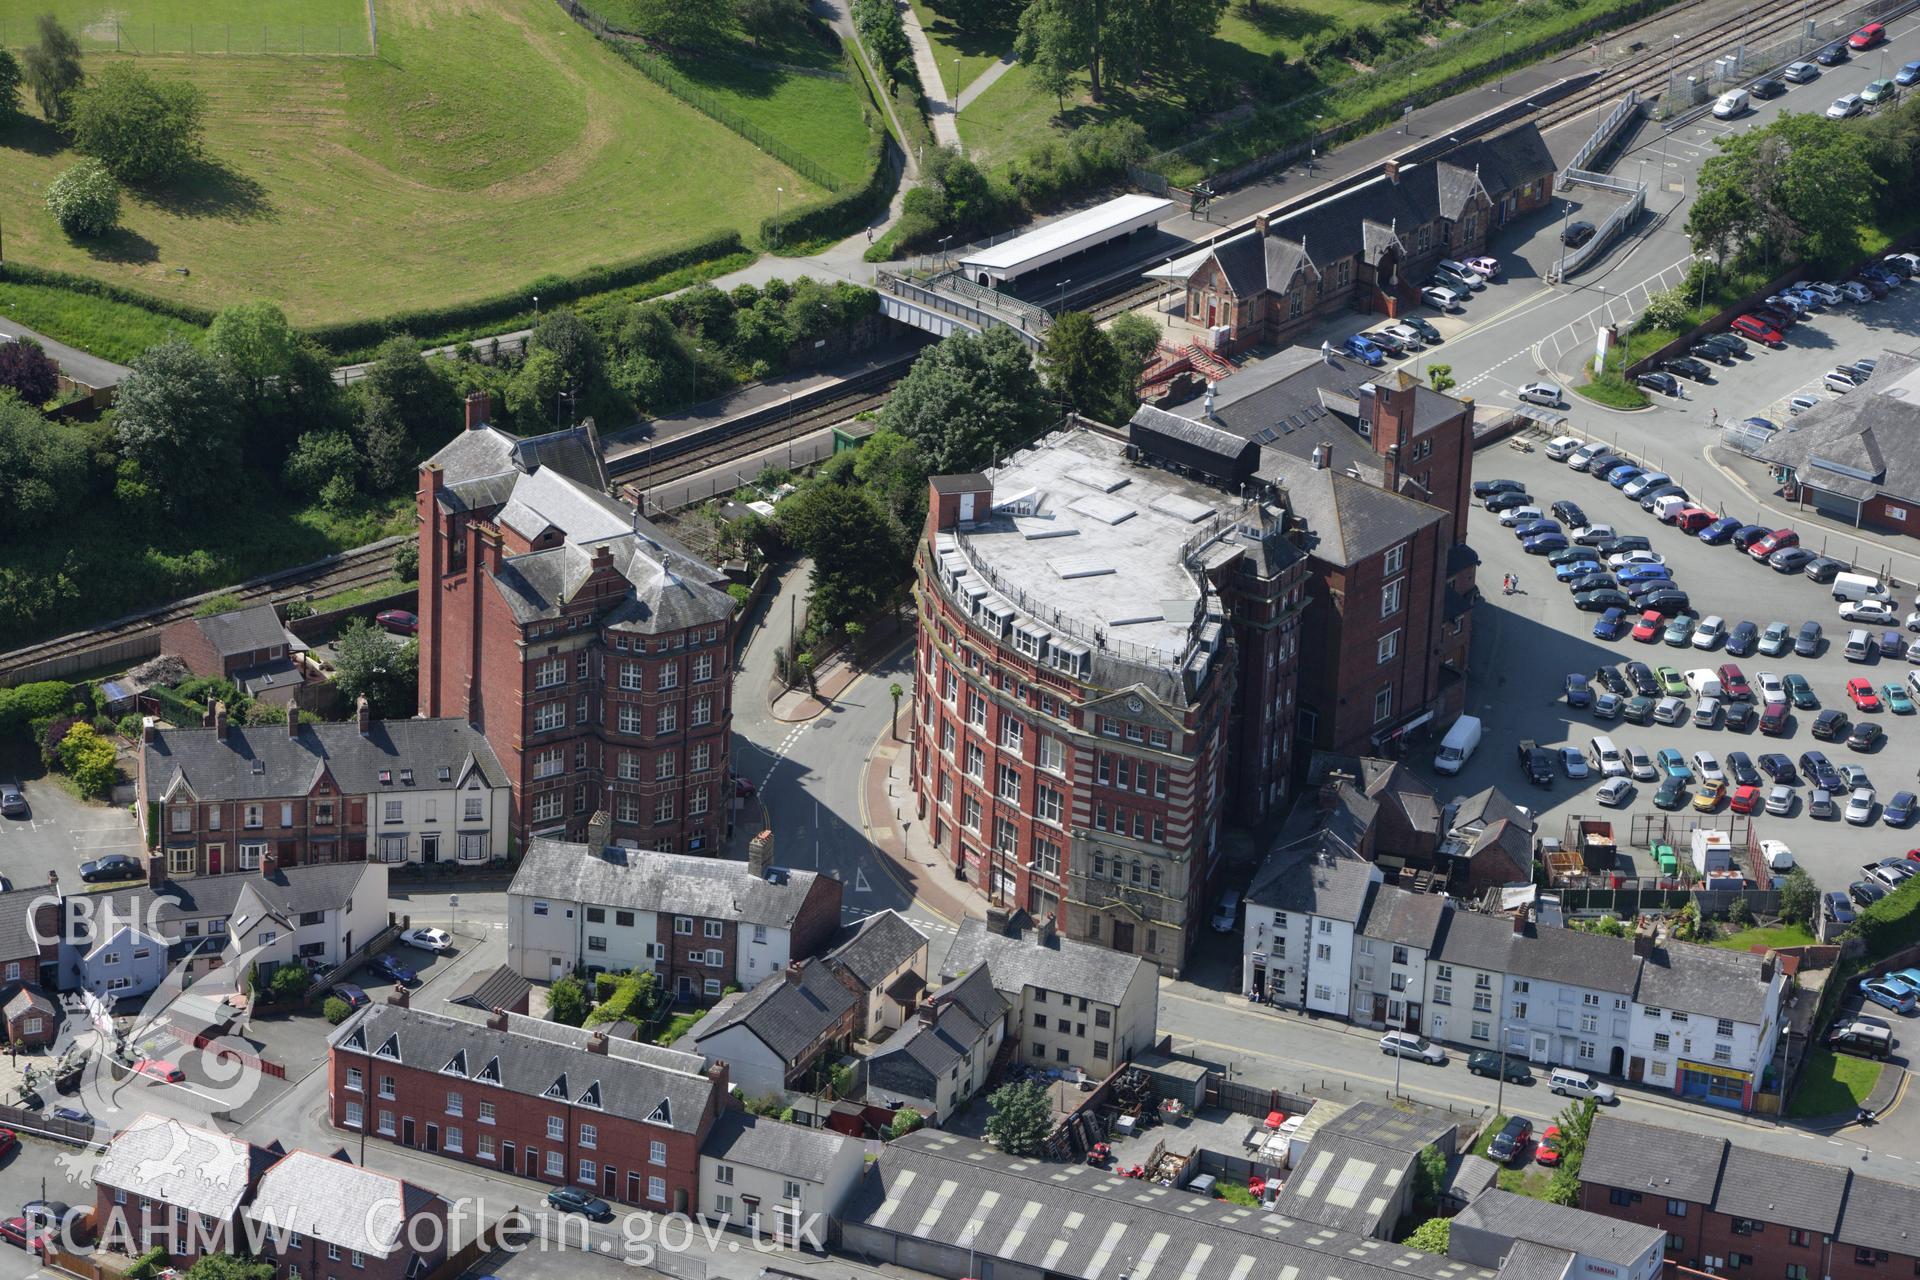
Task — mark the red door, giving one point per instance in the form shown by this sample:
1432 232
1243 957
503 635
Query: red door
213 860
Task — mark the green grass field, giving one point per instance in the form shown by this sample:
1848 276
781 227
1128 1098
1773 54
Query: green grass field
1782 935
962 55
490 143
1832 1083
198 26
110 330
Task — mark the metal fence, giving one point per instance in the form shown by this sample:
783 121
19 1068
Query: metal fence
113 35
1603 137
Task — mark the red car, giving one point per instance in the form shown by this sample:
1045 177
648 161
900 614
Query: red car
1694 519
1748 327
1652 625
1778 540
159 1069
14 1232
1776 317
398 620
1777 720
8 1141
1733 682
1860 693
1867 37
1746 799
1547 1150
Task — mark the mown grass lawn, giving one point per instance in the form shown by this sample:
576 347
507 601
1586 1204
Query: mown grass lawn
111 330
825 119
491 142
1832 1083
1779 935
316 27
963 54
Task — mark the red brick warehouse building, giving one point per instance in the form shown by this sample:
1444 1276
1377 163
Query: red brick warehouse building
1106 657
591 650
540 1100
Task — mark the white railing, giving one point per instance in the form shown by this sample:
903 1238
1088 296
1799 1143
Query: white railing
1573 260
1609 129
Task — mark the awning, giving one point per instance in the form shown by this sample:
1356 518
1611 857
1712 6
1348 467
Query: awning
1182 267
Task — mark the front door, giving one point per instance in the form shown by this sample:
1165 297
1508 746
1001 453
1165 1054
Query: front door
433 1137
215 855
556 968
1379 1008
686 987
633 1188
406 1130
1636 1068
430 848
1123 936
1413 1015
533 1162
613 1183
506 1156
1541 1047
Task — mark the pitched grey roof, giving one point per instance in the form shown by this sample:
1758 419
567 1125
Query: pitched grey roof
289 895
479 466
1505 162
1661 1160
500 988
340 1203
27 1000
1038 957
1345 520
1389 1127
1396 915
1484 808
1474 940
1706 980
915 1055
537 1059
289 764
1524 1218
1574 958
243 630
761 1143
1471 1176
1859 444
1345 1183
1783 1189
1881 1215
200 1170
681 884
1532 1260
787 1014
1294 877
873 948
1074 1221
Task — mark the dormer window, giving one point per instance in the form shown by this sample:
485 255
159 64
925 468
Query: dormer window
558 1089
389 1048
406 777
489 1074
456 1065
662 1114
386 777
591 1098
446 774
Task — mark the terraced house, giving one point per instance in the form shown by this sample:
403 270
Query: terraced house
589 648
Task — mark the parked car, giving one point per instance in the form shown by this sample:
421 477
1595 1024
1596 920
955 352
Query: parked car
1833 55
399 620
1656 380
1513 1067
1906 75
1748 327
393 968
1887 994
1868 36
1406 1044
1440 299
1807 643
1688 367
115 866
576 1200
1510 1143
13 802
1800 72
159 1069
1577 234
435 940
1869 611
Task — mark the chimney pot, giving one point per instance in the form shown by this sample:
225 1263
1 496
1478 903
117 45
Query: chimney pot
293 721
598 1043
363 715
795 969
270 859
479 409
398 997
1260 223
1321 452
760 855
149 725
497 1020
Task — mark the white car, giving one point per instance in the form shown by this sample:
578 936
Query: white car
1847 104
1615 792
1860 806
1867 611
428 939
1839 383
1824 291
1405 1044
1521 515
1670 711
1778 856
1440 299
1856 291
1707 768
1771 688
1621 559
1544 393
1640 764
1560 448
1780 802
1407 334
1573 762
1707 714
1711 631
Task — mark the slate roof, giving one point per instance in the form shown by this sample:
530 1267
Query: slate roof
1574 958
1398 915
1293 878
534 1058
873 948
336 885
1524 1218
27 1000
1862 443
1035 957
1345 520
500 988
1706 980
1881 1215
1483 808
289 764
1475 941
1505 162
910 1060
1075 1221
1783 1189
762 1143
1347 1184
244 630
680 884
787 1016
479 467
338 1202
1662 1160
200 1170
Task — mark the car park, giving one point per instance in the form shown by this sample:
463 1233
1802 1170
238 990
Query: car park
1749 327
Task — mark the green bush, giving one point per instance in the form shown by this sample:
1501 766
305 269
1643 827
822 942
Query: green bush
85 200
147 1264
604 985
289 982
336 1010
632 996
1893 923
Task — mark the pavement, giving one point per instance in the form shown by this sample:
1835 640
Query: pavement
984 81
940 110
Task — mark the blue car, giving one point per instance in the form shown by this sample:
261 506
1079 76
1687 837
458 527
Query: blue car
1545 544
394 969
1611 625
1899 810
1534 528
1630 574
1579 691
1574 569
1882 992
1719 531
1624 476
1673 764
1907 74
1362 350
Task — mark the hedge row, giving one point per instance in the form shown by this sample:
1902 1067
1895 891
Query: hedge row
21 273
353 335
1893 923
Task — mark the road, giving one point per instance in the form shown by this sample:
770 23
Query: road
75 363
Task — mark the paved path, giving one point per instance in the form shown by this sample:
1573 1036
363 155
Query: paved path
984 81
940 111
75 363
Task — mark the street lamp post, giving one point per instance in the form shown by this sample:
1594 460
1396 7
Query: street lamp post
453 905
1061 302
1673 51
1565 223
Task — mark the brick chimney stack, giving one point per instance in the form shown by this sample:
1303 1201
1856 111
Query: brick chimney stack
479 409
597 1043
497 1020
760 855
794 971
928 1014
363 716
156 869
1392 169
293 721
1260 223
398 997
270 859
149 726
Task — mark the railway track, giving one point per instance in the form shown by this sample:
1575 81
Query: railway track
359 567
1648 69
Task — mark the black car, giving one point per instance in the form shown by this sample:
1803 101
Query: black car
1611 679
1638 710
1602 599
1830 725
1428 334
1569 514
1670 603
1507 500
1767 87
1731 343
1485 1062
574 1200
1484 489
1708 349
1740 765
1742 639
1510 1143
1823 568
1688 367
1536 762
1594 581
1866 736
115 866
1740 716
1577 234
1644 681
1625 543
1867 892
1790 559
1779 768
1747 534
1807 643
1833 55
1665 383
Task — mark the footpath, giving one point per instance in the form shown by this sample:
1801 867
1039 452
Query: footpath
890 813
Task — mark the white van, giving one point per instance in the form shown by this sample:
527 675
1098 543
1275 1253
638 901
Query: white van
1578 1084
1704 682
1560 448
1457 747
1541 393
1732 103
1227 914
1859 646
1860 586
1666 509
1607 758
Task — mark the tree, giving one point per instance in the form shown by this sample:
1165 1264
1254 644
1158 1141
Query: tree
324 465
28 371
905 1121
257 344
1022 1115
1799 898
764 18
895 692
138 126
85 200
88 759
10 81
1431 1235
578 349
406 560
535 394
289 983
889 467
44 467
1440 376
567 1000
384 442
336 1011
679 23
178 420
52 67
1136 338
968 399
1083 367
419 390
1112 41
1803 184
382 668
224 1266
859 557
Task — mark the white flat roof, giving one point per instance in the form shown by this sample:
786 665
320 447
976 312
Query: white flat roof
1098 223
